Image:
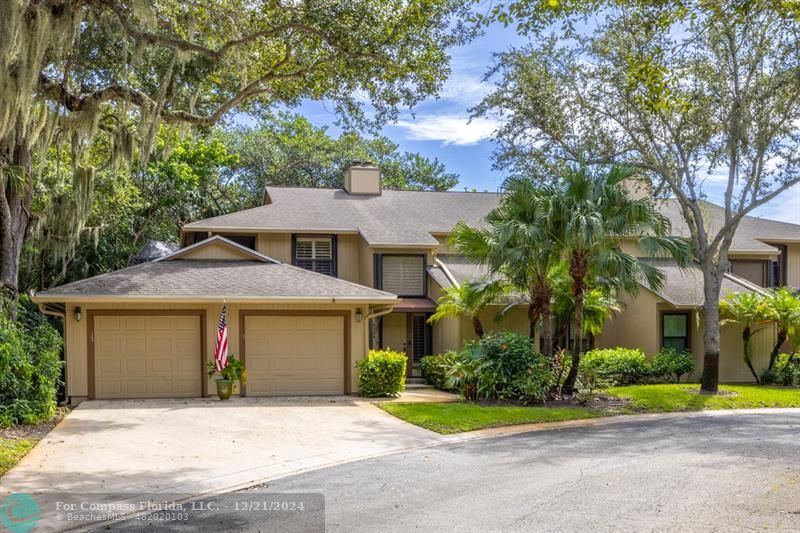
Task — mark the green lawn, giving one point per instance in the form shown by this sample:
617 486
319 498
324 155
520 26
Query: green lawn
684 397
466 416
12 450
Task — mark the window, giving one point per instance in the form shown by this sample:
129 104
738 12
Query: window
317 254
675 331
403 275
248 241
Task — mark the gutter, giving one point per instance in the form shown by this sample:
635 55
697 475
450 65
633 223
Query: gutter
45 311
447 273
205 299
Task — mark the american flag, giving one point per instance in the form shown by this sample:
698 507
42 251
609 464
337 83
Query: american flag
221 352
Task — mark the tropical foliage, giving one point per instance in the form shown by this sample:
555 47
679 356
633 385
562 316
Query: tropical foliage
468 299
30 366
501 366
567 233
758 312
678 91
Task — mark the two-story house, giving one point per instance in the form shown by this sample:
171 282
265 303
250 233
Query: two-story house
314 278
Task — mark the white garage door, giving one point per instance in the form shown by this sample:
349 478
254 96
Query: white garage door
294 355
147 356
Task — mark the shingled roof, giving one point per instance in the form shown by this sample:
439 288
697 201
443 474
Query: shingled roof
413 217
181 277
394 217
683 287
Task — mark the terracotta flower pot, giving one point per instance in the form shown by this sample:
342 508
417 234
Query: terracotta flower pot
224 388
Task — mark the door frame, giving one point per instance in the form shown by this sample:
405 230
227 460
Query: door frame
92 313
410 338
345 314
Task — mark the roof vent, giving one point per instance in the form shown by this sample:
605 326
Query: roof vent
362 177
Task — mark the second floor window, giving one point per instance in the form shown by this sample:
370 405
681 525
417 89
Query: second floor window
403 275
317 254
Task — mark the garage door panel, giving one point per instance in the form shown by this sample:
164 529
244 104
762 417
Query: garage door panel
289 356
147 356
134 323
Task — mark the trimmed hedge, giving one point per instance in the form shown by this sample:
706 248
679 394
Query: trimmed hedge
435 368
30 366
628 366
382 373
615 366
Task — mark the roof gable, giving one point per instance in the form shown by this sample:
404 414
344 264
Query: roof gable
217 248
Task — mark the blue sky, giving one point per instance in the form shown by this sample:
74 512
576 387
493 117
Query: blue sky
440 127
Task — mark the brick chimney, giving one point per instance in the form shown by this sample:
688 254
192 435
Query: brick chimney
363 178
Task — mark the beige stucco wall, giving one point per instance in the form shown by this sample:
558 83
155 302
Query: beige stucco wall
394 331
636 326
76 341
515 320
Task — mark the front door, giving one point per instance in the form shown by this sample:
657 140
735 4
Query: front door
418 344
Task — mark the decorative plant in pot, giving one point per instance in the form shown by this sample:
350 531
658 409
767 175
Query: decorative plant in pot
233 371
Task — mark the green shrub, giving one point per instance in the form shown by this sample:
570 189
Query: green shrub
30 366
382 373
785 372
615 366
671 364
435 367
501 366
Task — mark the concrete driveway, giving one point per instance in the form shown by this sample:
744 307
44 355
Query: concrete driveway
198 446
201 446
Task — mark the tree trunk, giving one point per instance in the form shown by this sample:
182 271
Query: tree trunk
15 201
547 332
776 350
711 286
747 340
477 326
578 270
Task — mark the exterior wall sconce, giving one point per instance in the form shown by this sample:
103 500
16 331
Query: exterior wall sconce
359 315
78 314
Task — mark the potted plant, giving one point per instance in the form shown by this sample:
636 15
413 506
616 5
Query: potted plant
233 371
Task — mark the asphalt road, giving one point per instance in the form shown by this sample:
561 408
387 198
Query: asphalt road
737 472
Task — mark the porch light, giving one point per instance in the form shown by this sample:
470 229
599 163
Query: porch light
78 314
359 315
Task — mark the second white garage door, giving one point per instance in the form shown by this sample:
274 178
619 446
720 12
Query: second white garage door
294 355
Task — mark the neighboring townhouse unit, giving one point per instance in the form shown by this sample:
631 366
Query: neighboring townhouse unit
315 277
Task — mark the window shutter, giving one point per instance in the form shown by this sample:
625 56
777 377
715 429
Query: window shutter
403 275
316 254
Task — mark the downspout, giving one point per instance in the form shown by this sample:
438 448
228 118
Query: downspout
378 312
447 273
45 311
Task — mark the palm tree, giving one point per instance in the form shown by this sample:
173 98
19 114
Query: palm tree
598 307
467 299
588 213
782 307
516 246
749 310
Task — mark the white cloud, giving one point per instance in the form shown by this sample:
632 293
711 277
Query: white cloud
465 89
785 207
455 129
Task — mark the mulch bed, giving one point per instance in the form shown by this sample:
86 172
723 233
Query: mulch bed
38 431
